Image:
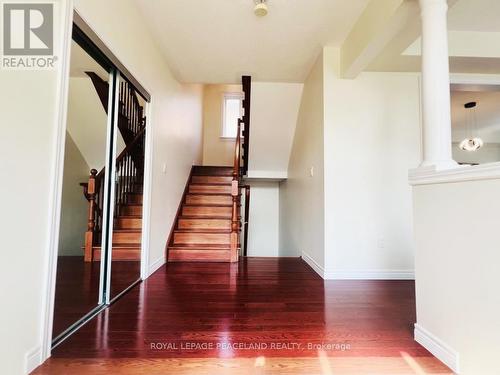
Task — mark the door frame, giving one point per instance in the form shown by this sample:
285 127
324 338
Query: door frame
71 17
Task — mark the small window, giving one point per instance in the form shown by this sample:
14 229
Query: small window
232 110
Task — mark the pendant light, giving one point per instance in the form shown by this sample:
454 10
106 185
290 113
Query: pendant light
260 9
472 141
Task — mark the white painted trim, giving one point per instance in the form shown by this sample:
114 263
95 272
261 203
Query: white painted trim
49 268
313 264
108 213
370 275
475 79
147 193
274 175
438 348
357 274
429 175
33 359
156 265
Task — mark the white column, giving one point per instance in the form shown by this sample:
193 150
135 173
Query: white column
436 85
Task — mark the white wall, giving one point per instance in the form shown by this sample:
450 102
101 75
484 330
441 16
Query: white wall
457 259
273 117
29 141
74 206
87 122
372 138
302 195
217 151
28 127
361 143
263 238
176 109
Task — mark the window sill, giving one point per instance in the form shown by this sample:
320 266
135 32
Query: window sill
429 175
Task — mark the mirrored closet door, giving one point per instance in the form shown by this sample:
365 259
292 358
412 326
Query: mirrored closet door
100 233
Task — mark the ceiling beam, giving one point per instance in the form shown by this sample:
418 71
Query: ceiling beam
384 24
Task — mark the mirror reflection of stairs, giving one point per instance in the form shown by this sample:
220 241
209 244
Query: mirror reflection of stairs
127 229
128 186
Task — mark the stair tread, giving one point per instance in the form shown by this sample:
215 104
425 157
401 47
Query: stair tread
215 217
202 218
211 183
206 205
209 194
131 230
212 246
203 231
123 246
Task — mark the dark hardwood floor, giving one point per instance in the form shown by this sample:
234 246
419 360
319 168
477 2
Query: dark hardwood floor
77 287
262 309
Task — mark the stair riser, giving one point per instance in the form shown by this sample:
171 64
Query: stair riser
131 210
127 238
135 198
204 224
199 256
209 199
202 211
212 179
210 189
133 254
128 223
212 171
201 238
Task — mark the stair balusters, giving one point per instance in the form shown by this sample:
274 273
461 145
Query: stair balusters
129 167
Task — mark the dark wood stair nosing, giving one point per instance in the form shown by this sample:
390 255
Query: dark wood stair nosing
203 231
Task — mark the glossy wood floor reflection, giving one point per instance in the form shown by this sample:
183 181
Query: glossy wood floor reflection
77 287
278 310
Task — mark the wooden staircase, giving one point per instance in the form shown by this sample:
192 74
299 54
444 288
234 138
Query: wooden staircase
202 232
127 230
127 181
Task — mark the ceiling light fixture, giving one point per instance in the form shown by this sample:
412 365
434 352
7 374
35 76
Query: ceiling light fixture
260 9
472 141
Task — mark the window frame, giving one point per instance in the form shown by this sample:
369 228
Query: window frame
225 96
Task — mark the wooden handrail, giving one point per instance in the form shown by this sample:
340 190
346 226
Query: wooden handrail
237 154
129 167
122 154
131 145
246 82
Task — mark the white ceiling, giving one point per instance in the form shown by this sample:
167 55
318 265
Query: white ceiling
216 41
475 15
474 38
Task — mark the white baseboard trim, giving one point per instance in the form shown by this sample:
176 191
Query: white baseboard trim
33 359
313 264
370 275
156 265
357 274
438 348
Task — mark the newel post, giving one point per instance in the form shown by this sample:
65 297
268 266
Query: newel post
235 193
235 223
89 235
